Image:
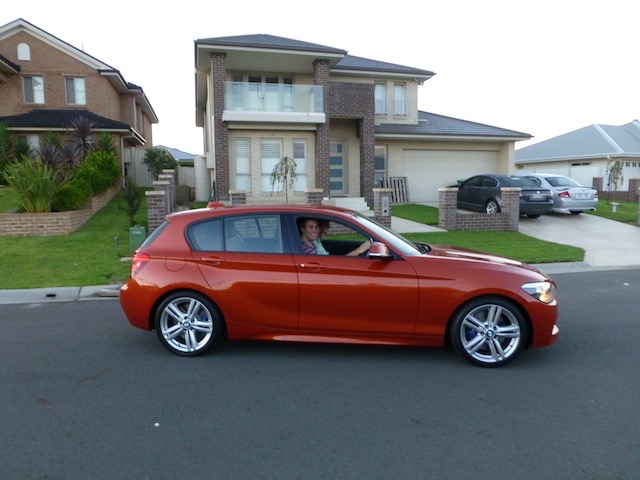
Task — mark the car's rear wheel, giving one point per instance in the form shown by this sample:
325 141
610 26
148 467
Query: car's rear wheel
489 331
576 212
188 323
533 215
492 207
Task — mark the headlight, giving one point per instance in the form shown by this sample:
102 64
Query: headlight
543 291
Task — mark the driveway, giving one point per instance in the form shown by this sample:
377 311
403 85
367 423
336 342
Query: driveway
606 243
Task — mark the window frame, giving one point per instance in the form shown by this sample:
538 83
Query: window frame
400 99
380 98
74 91
31 94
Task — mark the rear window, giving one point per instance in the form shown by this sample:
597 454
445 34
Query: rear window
523 182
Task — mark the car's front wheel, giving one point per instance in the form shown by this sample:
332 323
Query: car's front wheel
492 207
188 323
489 331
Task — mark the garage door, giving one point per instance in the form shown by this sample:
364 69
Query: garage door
429 170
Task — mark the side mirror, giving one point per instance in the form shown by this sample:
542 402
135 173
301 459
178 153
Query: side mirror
379 250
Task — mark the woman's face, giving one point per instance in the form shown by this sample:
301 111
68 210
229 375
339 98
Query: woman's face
310 231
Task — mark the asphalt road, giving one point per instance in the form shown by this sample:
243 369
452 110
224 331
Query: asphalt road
86 396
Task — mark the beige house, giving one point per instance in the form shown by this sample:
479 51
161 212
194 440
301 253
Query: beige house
349 123
45 84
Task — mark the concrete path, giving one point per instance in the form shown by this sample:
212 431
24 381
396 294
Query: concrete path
606 243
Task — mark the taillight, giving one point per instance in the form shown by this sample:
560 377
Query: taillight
564 194
595 194
138 261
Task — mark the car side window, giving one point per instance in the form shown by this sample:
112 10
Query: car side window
206 235
488 182
253 233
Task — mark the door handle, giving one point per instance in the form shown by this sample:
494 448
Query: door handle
313 266
214 260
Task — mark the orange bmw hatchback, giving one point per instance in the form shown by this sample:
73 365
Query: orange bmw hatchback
322 274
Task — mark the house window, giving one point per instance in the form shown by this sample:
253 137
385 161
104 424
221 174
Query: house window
400 98
33 141
380 162
381 99
243 164
300 157
33 89
24 52
270 155
76 93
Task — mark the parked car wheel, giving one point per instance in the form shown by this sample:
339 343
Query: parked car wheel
489 332
575 212
492 207
188 323
531 215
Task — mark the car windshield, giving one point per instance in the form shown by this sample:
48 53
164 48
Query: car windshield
523 182
562 182
390 238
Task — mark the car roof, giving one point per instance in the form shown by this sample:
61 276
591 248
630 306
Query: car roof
225 210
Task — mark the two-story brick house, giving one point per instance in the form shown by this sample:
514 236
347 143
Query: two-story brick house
45 84
347 121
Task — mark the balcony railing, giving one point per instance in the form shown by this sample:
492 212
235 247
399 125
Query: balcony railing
273 98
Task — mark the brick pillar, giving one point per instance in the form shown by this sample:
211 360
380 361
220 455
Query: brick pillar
321 78
382 206
238 197
170 176
220 130
163 186
156 208
634 186
511 207
314 196
448 208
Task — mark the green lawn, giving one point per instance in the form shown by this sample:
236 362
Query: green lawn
626 212
90 256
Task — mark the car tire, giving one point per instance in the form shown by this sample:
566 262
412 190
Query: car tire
489 331
533 215
492 206
575 212
188 323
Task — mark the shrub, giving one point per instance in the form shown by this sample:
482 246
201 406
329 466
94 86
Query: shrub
131 199
71 194
34 184
100 170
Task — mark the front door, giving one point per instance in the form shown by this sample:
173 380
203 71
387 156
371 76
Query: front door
337 168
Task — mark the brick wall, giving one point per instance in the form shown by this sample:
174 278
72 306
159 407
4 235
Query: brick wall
356 101
52 223
450 218
321 78
220 130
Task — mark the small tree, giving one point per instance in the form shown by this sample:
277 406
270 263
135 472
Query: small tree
131 199
284 173
615 176
158 159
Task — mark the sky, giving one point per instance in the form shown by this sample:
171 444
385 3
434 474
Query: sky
541 67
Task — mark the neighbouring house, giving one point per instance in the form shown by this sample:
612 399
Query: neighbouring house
185 170
45 84
586 153
350 123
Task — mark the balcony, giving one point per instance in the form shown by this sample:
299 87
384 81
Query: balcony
273 102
